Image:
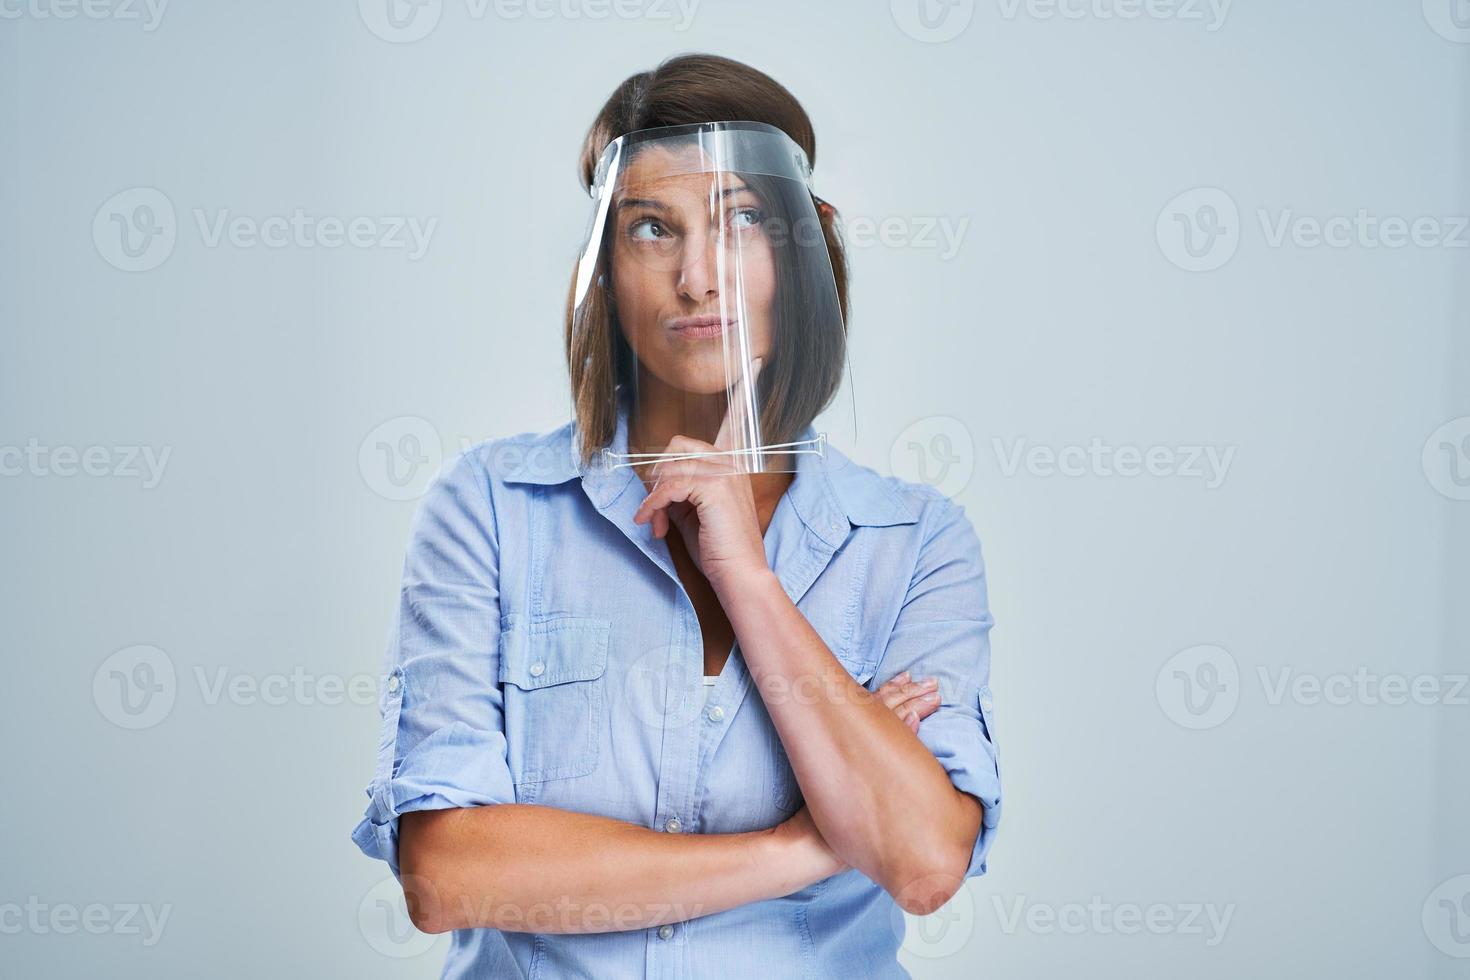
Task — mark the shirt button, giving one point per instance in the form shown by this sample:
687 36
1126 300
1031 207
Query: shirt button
672 826
665 931
986 701
716 713
393 684
538 669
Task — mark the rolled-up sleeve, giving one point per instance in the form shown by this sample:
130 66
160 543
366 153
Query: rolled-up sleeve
943 631
441 738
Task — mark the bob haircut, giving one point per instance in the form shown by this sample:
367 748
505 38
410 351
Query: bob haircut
809 346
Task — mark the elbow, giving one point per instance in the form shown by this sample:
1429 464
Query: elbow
427 909
938 871
423 918
928 893
933 870
426 890
927 886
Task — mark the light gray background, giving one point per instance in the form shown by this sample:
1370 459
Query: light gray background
271 547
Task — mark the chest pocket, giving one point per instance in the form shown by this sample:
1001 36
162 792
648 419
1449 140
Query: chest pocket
785 790
552 678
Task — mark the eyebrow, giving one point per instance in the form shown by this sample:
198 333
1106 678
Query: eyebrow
641 202
645 202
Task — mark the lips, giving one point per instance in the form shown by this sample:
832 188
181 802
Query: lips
710 325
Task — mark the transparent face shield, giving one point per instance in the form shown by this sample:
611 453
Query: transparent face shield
707 281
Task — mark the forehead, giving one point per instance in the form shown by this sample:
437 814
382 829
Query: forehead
675 170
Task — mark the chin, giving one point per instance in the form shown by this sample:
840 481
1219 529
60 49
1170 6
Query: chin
700 382
697 375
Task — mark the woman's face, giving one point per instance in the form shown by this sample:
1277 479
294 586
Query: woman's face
690 261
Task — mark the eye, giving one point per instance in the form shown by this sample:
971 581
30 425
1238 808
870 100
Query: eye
746 218
648 230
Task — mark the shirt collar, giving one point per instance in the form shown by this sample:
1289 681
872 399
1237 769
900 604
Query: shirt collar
830 492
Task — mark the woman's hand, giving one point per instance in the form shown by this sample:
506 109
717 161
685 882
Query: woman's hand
911 700
803 849
708 499
713 508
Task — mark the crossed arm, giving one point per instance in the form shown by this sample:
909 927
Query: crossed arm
879 797
522 867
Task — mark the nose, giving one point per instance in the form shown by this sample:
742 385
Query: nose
699 267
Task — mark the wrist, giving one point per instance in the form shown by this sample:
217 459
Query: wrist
790 863
744 583
795 853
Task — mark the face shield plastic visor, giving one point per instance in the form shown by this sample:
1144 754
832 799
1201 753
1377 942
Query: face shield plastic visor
707 277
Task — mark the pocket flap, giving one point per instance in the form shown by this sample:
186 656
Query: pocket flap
534 655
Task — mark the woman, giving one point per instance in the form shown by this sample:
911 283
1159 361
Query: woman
557 781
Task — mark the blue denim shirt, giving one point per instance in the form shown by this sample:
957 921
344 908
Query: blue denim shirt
545 652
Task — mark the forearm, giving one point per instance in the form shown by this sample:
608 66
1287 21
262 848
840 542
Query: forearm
881 800
526 868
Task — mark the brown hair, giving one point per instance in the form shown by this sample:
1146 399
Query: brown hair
806 363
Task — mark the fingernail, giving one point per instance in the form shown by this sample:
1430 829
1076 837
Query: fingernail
932 696
902 675
930 682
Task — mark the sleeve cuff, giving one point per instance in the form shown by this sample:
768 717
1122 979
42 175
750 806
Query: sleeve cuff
456 766
963 743
982 780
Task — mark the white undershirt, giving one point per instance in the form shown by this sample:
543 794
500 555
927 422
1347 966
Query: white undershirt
709 685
